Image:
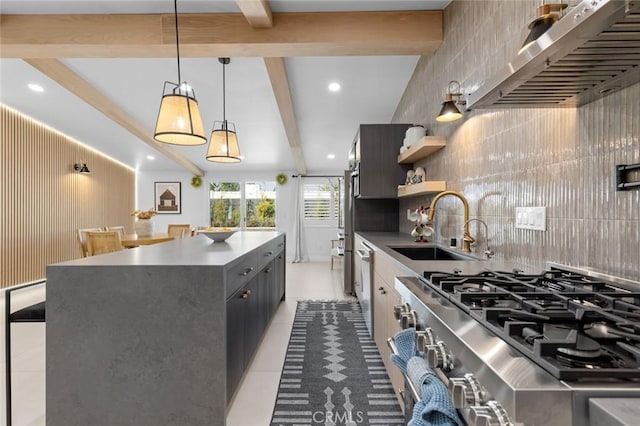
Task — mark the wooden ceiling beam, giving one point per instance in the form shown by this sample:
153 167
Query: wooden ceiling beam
71 81
280 85
257 12
218 35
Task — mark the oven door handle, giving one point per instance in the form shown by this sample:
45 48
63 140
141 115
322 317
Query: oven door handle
364 255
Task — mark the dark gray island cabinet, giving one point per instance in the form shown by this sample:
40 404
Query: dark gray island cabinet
159 334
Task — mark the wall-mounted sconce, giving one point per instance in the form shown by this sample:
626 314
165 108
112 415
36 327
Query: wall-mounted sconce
543 21
450 111
81 168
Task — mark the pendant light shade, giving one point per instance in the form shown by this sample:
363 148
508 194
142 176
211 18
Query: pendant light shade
541 24
223 146
179 121
449 110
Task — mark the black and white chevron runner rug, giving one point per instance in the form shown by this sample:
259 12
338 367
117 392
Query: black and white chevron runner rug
333 373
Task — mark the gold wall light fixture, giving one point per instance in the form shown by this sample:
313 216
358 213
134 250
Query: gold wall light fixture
81 168
223 146
449 110
545 18
179 121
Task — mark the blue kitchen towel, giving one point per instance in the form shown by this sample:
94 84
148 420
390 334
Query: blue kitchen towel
406 344
435 408
417 370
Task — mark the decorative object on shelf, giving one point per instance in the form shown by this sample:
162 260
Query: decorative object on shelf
622 177
196 181
281 178
143 226
543 21
413 135
81 168
168 197
419 175
450 111
409 180
224 147
179 121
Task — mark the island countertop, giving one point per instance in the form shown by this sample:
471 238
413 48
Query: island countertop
192 251
141 335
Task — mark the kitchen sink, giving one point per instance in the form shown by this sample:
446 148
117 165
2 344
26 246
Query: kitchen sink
430 253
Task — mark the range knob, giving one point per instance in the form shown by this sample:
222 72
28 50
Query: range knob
439 357
398 310
425 338
492 414
409 319
466 391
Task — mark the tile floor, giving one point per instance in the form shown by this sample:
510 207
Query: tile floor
314 280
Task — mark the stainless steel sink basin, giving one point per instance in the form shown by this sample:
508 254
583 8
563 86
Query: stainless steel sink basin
430 253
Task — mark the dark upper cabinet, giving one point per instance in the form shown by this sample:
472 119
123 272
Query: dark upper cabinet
377 147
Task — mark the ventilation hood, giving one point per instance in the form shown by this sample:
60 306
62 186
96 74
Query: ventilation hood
590 52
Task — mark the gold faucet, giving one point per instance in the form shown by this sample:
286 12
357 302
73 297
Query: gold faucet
467 239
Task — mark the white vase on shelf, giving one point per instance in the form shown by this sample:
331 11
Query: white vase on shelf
144 227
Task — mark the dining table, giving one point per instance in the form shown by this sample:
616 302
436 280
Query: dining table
134 240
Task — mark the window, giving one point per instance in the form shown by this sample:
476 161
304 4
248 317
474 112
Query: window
260 199
230 202
322 202
224 203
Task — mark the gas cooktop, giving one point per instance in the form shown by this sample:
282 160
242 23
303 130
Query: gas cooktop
575 326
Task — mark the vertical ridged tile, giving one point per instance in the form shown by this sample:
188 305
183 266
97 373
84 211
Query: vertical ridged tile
43 201
500 159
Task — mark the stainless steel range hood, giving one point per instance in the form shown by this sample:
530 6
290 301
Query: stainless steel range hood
592 51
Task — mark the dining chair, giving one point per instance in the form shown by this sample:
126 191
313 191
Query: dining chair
103 242
29 314
82 239
177 230
118 228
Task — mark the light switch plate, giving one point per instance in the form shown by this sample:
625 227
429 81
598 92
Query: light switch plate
534 218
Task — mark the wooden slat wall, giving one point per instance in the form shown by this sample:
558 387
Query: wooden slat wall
43 201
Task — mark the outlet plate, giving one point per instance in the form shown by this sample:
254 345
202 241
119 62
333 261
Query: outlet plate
534 218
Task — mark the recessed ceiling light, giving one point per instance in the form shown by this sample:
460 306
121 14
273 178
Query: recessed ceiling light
150 157
334 87
331 156
35 87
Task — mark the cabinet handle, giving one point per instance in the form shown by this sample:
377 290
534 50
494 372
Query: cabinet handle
246 294
383 292
266 271
246 272
268 253
380 288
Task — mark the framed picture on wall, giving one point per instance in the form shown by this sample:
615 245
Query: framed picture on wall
168 198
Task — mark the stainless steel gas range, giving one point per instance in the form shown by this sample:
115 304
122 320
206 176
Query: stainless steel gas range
527 349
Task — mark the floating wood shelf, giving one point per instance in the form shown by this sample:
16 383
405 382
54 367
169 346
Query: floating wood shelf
429 187
421 149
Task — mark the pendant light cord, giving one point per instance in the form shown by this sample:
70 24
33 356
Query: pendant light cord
224 101
175 8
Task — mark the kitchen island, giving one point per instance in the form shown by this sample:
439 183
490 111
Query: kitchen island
160 334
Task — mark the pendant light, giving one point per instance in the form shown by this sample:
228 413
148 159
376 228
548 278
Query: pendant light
543 21
179 121
450 111
223 146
